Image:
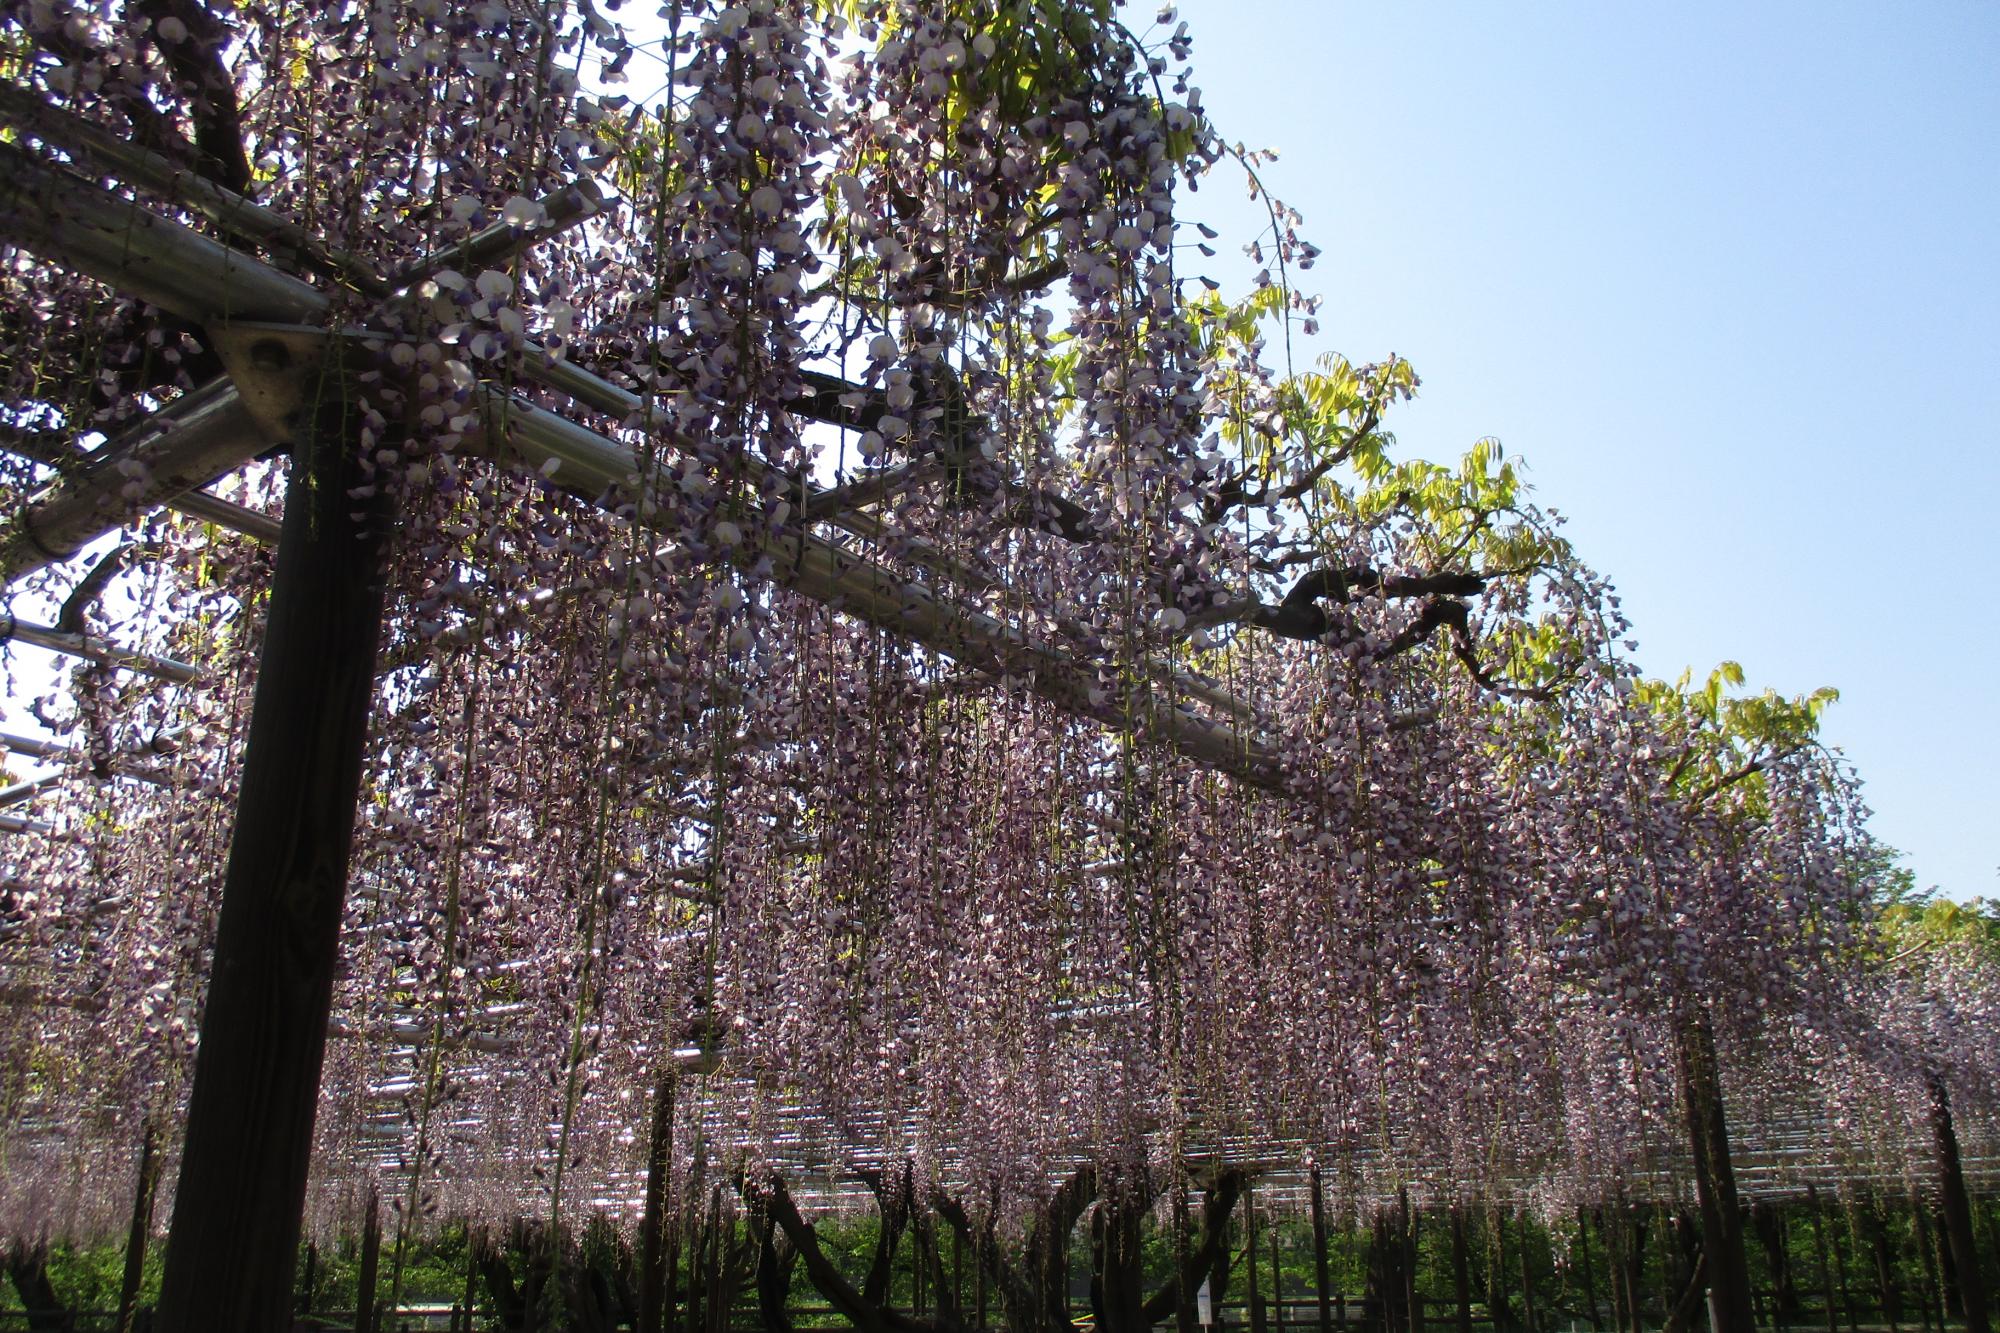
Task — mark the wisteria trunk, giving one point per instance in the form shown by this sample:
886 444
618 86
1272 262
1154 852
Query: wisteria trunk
1729 1308
1955 1205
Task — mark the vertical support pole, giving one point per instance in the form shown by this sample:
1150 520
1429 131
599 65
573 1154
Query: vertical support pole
241 1190
1461 1269
653 1222
371 1259
1729 1307
1321 1277
142 1225
1583 1258
1955 1206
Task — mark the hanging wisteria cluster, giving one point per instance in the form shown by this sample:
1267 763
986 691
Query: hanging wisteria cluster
999 721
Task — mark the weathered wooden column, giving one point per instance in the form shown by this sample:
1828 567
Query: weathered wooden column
1729 1307
1955 1209
142 1226
242 1182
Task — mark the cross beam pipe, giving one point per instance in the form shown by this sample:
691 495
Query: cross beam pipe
199 437
203 280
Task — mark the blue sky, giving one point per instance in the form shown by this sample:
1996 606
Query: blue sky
1728 277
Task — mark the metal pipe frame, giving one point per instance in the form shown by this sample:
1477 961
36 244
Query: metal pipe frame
199 279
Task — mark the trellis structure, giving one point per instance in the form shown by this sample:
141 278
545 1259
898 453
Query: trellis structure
294 364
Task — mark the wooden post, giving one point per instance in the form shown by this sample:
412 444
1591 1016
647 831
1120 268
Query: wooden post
1729 1305
1583 1259
371 1258
1320 1266
1955 1208
142 1226
1461 1272
653 1221
241 1190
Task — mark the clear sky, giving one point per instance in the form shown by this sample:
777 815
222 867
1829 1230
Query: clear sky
1728 277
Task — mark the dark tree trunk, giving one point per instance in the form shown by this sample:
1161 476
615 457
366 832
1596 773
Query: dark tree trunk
1932 1303
1461 1270
1769 1224
241 1189
1413 1296
28 1268
1955 1207
371 1258
1825 1265
142 1227
1250 1248
1117 1266
1875 1230
309 1280
1494 1258
653 1222
471 1277
776 1256
1729 1306
1384 1303
1529 1320
1583 1261
1322 1279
